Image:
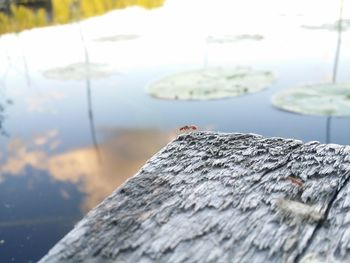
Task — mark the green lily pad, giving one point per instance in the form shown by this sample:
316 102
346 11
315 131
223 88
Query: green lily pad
325 99
117 38
232 38
79 71
211 83
345 25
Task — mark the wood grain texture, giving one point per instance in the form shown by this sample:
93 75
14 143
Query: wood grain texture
213 197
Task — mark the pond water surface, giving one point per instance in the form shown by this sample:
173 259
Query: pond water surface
72 135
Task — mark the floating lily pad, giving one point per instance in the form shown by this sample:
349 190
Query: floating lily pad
211 83
79 71
325 99
345 25
117 38
232 38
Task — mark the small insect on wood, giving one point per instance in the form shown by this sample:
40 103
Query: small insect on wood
296 181
188 128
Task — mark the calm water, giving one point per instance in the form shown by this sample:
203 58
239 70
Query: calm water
70 140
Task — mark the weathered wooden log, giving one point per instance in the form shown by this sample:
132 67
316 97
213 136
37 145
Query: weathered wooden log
210 197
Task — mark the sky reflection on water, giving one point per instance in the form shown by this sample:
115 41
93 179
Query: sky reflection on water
122 153
36 211
43 192
50 172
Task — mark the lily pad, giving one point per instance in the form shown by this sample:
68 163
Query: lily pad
325 99
117 38
79 71
211 83
345 25
232 38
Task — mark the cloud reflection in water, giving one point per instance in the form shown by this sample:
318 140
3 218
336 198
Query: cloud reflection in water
123 152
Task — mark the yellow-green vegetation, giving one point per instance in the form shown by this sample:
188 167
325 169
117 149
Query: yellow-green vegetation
64 11
22 18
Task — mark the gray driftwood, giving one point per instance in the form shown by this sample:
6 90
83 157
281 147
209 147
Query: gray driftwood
209 197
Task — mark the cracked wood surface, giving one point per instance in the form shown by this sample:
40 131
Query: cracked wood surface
213 197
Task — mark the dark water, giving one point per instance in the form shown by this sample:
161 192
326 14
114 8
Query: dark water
69 143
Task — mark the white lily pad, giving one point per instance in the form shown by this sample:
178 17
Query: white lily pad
345 25
117 38
325 99
232 38
79 71
211 83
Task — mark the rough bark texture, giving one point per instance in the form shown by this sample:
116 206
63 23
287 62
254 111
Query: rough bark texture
209 197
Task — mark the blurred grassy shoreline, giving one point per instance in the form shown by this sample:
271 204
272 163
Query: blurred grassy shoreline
29 14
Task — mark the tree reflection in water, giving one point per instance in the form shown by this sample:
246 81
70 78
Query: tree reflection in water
4 103
335 66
